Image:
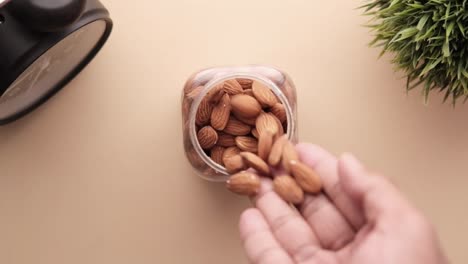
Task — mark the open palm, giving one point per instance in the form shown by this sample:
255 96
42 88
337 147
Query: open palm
358 219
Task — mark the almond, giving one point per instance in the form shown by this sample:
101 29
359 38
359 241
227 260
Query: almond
244 183
234 164
194 158
245 106
207 137
216 93
277 151
221 112
232 87
236 127
255 133
263 94
249 144
279 125
255 162
231 152
204 112
186 105
225 140
289 155
216 154
279 111
245 83
208 171
265 142
288 189
249 92
248 121
265 121
194 93
189 86
306 177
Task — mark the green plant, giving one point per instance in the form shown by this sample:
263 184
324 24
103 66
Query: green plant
429 40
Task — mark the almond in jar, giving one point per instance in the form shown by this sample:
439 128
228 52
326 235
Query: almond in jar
239 95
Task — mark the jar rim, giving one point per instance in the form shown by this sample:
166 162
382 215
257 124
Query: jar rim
213 83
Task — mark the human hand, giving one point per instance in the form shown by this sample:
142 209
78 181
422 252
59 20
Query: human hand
360 218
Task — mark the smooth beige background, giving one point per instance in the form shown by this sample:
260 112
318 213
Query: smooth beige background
98 174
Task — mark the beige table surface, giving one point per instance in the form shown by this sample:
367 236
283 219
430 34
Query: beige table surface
98 174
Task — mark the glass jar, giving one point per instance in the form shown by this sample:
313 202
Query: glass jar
202 82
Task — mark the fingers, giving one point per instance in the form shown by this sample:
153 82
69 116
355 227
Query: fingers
288 226
376 195
258 240
331 228
326 166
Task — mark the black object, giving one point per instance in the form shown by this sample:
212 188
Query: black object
43 45
48 15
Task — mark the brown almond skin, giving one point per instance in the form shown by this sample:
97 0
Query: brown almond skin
255 162
249 92
306 177
276 152
288 189
279 111
265 121
247 121
245 106
249 144
207 137
221 113
204 112
255 133
279 125
245 83
194 93
231 152
186 105
215 94
194 158
226 140
263 94
216 154
232 87
289 155
244 183
234 164
265 142
236 128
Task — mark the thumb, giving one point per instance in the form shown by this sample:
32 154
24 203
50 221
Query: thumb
377 197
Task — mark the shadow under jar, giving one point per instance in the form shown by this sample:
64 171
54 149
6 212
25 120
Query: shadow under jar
210 82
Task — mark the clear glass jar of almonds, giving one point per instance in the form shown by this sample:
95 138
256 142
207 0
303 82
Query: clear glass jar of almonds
225 109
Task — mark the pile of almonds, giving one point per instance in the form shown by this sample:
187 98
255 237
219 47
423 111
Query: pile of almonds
241 125
291 178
